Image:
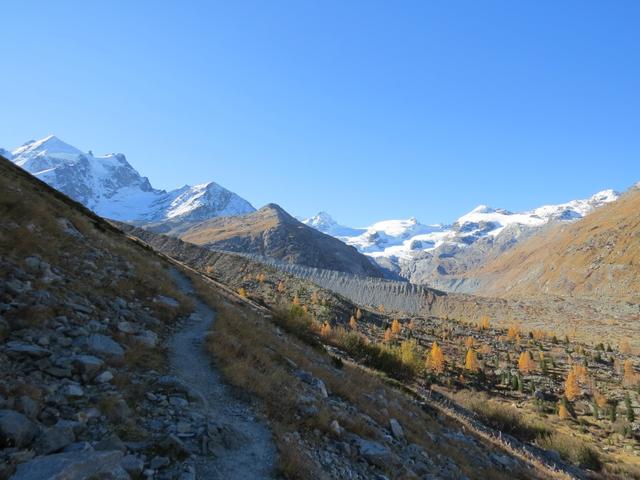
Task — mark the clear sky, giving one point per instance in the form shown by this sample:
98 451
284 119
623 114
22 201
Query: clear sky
369 110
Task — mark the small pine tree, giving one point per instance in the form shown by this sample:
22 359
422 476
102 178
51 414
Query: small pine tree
596 409
353 324
484 322
358 314
631 416
613 411
544 368
242 292
281 288
563 411
514 382
296 300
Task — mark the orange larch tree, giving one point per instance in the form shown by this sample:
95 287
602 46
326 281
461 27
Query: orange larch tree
571 387
471 361
436 361
525 364
395 327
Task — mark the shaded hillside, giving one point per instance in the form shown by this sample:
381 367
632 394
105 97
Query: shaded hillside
598 257
272 232
370 292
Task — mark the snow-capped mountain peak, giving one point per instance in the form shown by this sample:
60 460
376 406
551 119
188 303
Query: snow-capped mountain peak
45 146
321 221
403 239
325 223
111 187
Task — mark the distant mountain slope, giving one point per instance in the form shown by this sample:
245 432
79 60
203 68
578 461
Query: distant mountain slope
435 254
112 188
598 256
272 232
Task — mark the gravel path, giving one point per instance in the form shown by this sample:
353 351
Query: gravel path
241 446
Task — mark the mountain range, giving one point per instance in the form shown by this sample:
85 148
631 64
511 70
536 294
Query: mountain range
112 188
438 255
205 214
432 254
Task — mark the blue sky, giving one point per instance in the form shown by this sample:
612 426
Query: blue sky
368 110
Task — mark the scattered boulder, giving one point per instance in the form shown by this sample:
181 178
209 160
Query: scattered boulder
374 452
173 446
396 429
16 430
126 327
69 228
336 428
54 439
73 466
111 442
315 382
17 349
132 465
105 346
147 338
72 390
87 365
104 377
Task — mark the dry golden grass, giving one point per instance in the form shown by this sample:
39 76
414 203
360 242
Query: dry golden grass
560 260
254 355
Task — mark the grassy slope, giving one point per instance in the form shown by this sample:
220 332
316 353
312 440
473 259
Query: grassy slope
598 256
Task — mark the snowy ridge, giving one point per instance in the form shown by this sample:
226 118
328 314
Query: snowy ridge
112 188
403 239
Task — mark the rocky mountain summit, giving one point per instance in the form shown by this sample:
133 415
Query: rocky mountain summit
272 232
432 254
112 188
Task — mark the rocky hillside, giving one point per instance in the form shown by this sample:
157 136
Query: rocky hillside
104 375
596 257
272 232
112 188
